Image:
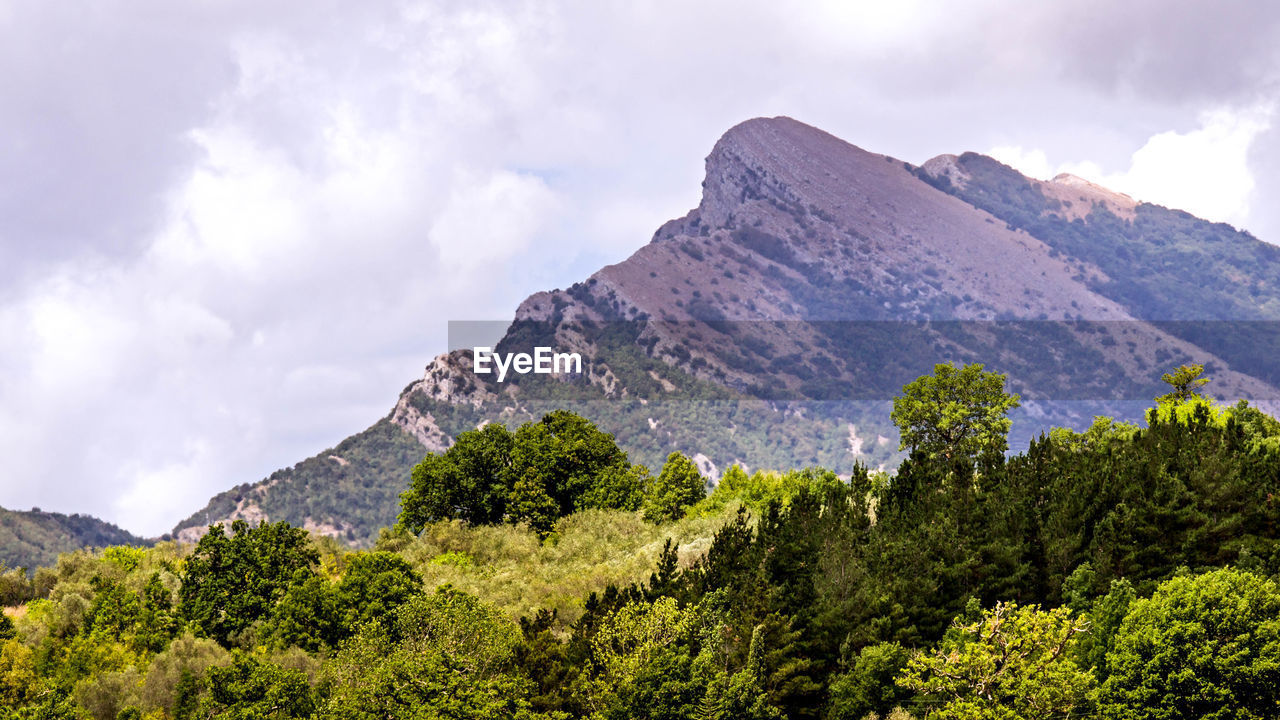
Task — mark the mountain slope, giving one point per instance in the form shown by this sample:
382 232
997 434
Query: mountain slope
33 538
773 324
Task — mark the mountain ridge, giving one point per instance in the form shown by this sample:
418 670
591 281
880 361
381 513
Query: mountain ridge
34 538
749 318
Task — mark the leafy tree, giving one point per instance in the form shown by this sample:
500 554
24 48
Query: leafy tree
619 487
1206 646
677 487
231 582
955 413
374 585
1014 663
174 678
871 684
146 621
531 503
1105 617
307 616
568 455
255 689
445 654
540 473
1186 383
18 679
316 614
656 660
469 481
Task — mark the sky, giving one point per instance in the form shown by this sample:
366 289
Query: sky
231 232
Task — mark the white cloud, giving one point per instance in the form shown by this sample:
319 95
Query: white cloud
1033 163
1205 171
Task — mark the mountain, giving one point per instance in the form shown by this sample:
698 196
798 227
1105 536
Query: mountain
773 324
33 538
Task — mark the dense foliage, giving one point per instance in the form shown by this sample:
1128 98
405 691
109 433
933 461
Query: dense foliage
1120 572
540 473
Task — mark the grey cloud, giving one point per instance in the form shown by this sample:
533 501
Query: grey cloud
253 219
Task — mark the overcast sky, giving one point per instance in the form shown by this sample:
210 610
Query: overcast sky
231 232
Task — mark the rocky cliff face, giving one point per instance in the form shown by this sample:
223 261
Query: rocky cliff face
771 324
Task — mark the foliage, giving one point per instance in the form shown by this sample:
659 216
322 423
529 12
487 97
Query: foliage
677 487
252 688
443 655
799 594
542 472
1185 381
230 583
870 685
955 413
1205 646
1012 663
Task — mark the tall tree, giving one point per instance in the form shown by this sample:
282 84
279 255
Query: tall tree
1186 383
678 486
955 413
231 582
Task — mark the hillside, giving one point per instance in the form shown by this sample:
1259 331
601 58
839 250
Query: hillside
33 538
772 324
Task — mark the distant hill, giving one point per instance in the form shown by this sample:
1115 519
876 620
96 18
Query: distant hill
772 325
33 538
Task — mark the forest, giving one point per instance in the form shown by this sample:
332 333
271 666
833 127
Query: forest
1122 571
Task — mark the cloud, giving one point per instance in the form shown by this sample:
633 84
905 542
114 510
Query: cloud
231 232
1205 171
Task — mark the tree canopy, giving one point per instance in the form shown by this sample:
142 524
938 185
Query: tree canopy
955 413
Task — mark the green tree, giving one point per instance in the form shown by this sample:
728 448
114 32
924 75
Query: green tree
469 481
1015 663
1205 647
255 689
568 455
870 685
443 655
677 487
373 586
955 413
1186 383
619 487
540 473
231 582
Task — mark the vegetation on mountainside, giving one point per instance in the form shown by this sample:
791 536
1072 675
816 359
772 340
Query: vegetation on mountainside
33 538
1204 282
1121 572
363 476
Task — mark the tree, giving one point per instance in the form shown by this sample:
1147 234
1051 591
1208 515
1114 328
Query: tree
255 689
443 655
1186 383
374 585
470 481
231 582
678 486
870 684
1206 646
955 413
1012 664
540 473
